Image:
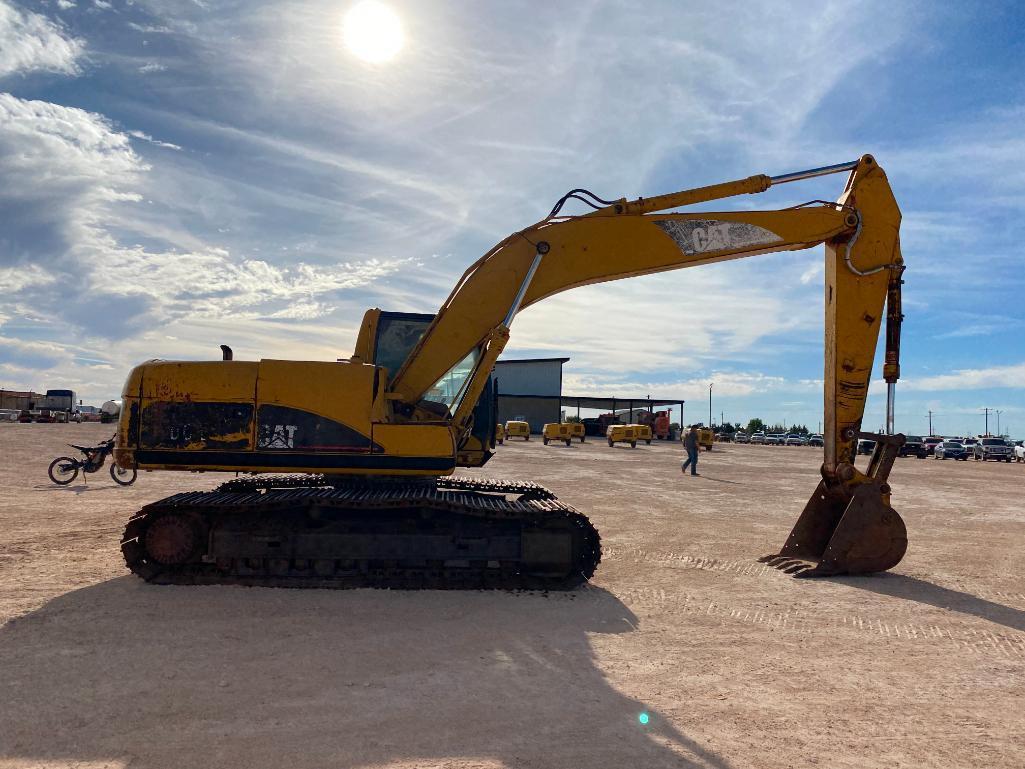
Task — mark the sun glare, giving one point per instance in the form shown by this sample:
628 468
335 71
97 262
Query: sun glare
373 31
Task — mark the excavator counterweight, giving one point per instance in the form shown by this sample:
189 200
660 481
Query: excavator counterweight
348 465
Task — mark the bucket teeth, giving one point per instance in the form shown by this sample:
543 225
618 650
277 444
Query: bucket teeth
787 565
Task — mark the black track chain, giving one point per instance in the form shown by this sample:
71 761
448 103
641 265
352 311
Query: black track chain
453 495
451 483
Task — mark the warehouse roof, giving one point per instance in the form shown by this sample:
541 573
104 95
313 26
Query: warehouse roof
609 403
531 360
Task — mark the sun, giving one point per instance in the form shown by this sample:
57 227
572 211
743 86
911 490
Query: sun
373 31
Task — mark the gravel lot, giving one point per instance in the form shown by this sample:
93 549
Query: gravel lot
735 664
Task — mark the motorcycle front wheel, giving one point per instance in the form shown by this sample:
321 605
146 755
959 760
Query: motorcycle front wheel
121 476
63 470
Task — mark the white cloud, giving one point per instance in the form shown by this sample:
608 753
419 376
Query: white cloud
31 42
152 66
21 354
147 138
814 270
14 279
971 379
72 175
65 5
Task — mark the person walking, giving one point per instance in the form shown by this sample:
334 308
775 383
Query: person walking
690 443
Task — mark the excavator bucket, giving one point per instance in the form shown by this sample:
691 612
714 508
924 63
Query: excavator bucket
848 528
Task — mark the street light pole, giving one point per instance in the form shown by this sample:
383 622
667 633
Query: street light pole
998 413
710 404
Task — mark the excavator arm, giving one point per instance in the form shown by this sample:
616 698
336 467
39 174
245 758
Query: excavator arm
848 525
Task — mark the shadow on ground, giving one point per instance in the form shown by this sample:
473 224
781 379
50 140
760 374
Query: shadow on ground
913 589
227 676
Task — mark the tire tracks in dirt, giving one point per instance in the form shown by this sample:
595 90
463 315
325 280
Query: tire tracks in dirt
962 636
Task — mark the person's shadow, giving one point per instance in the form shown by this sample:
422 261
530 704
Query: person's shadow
227 676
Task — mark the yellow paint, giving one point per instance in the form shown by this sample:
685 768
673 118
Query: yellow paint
517 429
643 432
622 434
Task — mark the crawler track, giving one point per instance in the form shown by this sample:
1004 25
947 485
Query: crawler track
312 531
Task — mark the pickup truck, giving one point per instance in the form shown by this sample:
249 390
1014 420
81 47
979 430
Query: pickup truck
1019 451
992 448
758 438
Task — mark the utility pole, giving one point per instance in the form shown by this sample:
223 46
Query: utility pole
930 423
986 410
998 413
710 404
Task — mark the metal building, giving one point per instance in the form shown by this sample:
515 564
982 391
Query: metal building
530 389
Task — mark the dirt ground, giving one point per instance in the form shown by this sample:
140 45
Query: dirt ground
735 664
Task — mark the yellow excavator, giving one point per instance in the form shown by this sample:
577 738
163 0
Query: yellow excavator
344 470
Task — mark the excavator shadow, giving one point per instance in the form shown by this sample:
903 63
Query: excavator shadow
914 589
123 672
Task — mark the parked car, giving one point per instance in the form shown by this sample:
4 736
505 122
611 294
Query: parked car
816 440
931 441
742 438
25 416
793 439
913 447
951 450
774 439
758 438
1019 451
865 446
992 448
969 444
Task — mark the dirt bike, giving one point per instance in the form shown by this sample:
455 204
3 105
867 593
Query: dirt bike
63 470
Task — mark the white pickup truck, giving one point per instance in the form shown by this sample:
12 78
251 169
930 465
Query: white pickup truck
992 448
1019 451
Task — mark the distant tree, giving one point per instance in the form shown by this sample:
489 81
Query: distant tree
755 425
572 419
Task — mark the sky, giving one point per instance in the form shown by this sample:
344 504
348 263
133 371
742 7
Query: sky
177 175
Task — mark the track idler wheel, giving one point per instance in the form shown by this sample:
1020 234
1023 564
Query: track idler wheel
171 539
843 532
